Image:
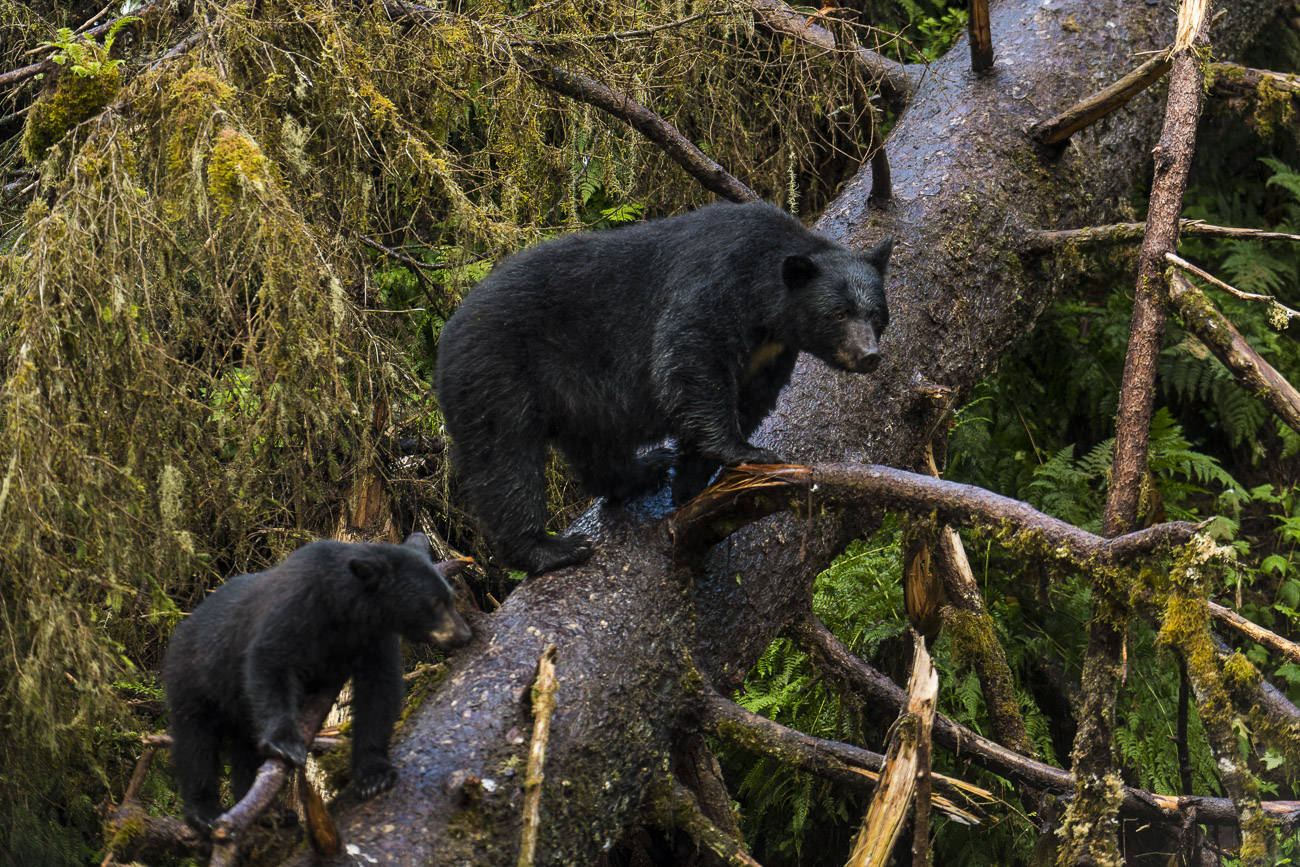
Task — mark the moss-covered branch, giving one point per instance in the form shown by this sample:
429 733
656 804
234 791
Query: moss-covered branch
1048 240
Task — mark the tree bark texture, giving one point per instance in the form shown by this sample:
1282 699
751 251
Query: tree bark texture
635 628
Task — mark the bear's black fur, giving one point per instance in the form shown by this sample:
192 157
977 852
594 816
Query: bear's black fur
241 665
601 343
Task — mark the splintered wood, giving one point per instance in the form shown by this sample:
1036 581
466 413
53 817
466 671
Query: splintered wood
543 707
902 763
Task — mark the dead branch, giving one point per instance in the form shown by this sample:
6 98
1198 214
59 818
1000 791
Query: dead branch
853 673
746 493
681 810
1279 309
1235 80
894 794
1046 240
1255 632
1251 371
543 707
889 76
981 36
838 762
1102 103
1089 835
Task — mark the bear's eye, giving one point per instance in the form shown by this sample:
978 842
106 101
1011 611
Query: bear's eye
842 315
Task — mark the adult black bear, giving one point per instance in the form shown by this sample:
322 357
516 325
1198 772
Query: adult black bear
601 343
241 665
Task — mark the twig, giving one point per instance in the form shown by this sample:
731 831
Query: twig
890 77
1044 240
1102 103
681 810
1255 632
981 36
1247 366
543 707
1182 263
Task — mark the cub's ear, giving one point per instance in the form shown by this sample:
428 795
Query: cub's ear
798 271
879 254
367 569
419 542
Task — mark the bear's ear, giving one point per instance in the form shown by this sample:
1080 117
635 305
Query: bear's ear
798 271
878 255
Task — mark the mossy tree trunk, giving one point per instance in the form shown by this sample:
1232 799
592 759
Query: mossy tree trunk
639 629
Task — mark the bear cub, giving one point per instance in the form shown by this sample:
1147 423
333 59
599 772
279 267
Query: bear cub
602 343
240 667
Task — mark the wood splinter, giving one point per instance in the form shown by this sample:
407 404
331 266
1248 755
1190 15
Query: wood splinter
543 708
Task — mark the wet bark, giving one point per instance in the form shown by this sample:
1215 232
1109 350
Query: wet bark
636 628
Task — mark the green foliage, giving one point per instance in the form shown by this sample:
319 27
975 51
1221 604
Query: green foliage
86 56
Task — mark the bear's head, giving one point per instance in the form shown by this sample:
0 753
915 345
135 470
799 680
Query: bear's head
411 594
839 304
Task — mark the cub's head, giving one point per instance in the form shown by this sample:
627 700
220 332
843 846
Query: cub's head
840 304
411 593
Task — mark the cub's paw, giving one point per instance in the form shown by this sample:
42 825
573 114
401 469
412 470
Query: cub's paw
284 743
373 779
556 552
754 455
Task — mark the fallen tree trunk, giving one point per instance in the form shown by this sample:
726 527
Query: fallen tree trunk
638 626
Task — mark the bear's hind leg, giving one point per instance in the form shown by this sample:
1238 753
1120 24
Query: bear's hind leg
615 474
506 488
197 768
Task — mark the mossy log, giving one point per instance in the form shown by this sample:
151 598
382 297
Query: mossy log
635 626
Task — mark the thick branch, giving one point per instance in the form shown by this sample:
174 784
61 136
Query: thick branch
1235 80
1102 103
747 493
1046 240
1249 368
888 75
1255 632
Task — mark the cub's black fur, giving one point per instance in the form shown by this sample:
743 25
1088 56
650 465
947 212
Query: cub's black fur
241 665
601 343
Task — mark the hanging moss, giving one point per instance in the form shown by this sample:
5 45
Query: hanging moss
76 99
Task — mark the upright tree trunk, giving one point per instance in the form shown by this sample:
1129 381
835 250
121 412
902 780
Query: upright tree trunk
636 624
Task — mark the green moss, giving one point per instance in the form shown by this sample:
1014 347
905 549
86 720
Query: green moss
77 98
1273 108
237 171
1089 829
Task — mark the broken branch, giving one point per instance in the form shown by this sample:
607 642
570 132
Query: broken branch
681 810
747 493
1249 368
1102 103
981 36
1118 233
1255 632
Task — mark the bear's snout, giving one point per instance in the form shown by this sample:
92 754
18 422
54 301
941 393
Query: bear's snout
860 354
452 632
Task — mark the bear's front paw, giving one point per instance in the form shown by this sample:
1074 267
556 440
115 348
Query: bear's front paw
376 778
285 745
201 822
556 552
